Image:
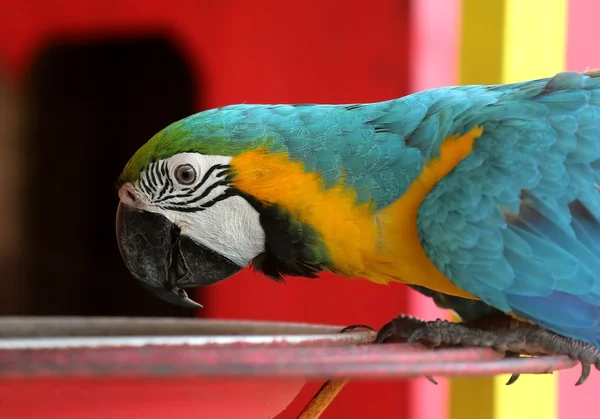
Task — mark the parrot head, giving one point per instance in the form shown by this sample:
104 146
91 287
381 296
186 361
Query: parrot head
182 221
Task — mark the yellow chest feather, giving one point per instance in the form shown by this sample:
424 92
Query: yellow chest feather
380 247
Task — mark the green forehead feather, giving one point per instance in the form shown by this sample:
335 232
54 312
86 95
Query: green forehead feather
200 133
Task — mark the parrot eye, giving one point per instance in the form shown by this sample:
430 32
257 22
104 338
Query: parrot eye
185 174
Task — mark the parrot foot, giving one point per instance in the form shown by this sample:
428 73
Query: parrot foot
521 338
401 328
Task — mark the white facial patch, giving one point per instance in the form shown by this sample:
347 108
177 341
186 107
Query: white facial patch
230 227
202 209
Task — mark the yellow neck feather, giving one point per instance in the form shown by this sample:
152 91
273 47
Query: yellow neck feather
379 246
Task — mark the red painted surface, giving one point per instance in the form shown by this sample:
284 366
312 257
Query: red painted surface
261 51
115 398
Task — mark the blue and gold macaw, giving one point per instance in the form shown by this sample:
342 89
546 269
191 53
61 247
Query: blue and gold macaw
480 193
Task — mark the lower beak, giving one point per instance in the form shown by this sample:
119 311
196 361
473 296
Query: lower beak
164 260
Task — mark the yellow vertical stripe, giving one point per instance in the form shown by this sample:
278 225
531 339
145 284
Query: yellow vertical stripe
535 40
504 41
481 43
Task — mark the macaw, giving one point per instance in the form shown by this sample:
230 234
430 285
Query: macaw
485 195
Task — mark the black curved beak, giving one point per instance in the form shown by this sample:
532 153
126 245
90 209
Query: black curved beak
164 260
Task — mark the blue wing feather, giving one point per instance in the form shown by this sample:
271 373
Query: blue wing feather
538 162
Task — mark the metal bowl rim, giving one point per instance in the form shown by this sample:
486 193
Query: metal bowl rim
322 335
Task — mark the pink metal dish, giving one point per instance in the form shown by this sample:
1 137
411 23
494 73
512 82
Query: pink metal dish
149 367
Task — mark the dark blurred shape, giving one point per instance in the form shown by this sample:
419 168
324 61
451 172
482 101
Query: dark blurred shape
89 107
14 289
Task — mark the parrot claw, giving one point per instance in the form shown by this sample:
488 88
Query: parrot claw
586 369
431 379
356 326
402 330
386 332
513 378
524 338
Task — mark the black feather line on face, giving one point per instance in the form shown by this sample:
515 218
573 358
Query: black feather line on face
168 183
292 248
191 190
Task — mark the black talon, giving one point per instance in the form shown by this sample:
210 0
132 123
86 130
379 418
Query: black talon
513 378
431 379
401 328
387 331
586 369
356 326
415 336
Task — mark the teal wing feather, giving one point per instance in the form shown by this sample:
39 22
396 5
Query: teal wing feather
517 222
355 141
